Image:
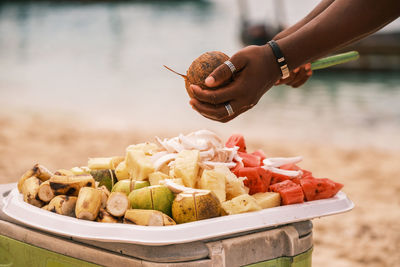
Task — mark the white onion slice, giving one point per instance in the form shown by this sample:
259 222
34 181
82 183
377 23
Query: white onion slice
277 162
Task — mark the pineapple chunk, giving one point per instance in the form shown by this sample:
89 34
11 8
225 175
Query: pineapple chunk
178 181
138 164
156 177
215 181
186 167
234 186
121 171
240 204
268 199
148 148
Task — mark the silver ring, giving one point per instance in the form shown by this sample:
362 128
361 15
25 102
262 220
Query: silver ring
231 66
228 108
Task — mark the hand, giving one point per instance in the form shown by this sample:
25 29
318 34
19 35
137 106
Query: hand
298 76
256 71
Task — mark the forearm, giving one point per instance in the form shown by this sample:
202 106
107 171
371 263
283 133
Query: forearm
343 22
315 12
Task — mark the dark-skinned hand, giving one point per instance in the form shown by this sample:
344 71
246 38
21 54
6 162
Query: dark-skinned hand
298 76
256 72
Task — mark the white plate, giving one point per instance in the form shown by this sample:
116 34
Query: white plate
16 208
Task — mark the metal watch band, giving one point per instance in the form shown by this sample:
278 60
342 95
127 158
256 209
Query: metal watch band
280 59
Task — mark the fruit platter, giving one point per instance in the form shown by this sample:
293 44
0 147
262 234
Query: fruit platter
173 190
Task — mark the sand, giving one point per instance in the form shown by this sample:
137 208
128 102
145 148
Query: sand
367 235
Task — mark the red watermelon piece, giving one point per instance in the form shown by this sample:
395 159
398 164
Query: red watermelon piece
253 181
236 140
291 193
235 170
277 178
319 188
265 176
250 160
260 154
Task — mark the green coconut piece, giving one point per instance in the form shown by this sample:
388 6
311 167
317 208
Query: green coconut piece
104 177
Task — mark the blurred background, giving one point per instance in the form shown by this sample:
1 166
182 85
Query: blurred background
84 79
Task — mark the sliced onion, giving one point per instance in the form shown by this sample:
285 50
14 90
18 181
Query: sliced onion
292 174
164 160
277 162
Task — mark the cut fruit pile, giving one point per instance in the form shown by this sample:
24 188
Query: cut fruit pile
177 180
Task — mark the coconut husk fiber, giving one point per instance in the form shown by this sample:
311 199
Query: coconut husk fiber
201 68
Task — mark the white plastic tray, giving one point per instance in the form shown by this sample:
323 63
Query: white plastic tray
16 208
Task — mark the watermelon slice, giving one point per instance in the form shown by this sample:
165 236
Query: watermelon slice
319 188
236 140
258 179
277 178
265 176
235 170
259 153
290 192
250 160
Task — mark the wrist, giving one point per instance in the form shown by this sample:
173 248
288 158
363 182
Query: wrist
280 59
270 64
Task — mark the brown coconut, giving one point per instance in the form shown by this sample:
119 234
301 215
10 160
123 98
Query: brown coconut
201 68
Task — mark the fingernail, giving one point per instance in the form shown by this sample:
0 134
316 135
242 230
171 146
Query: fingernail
210 80
309 73
296 70
307 67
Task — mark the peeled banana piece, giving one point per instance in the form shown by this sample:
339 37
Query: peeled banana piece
117 204
62 204
70 185
105 217
37 171
45 192
88 203
104 163
104 196
30 189
64 172
147 218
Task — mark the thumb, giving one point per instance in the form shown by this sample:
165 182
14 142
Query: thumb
223 73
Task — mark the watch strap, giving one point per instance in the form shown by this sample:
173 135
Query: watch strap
280 59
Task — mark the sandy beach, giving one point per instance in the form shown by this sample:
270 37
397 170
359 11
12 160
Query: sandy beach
367 235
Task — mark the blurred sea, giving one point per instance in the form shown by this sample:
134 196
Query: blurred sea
102 63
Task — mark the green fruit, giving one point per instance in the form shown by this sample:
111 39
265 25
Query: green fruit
123 186
141 199
184 208
104 177
157 197
139 184
162 199
190 207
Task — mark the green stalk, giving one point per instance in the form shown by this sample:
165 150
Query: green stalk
334 60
